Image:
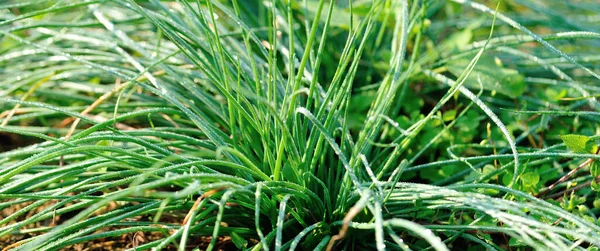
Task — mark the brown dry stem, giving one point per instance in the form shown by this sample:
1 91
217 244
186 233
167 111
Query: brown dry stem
197 203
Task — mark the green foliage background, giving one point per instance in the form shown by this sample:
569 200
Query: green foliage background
310 125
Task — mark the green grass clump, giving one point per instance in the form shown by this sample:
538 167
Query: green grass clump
307 125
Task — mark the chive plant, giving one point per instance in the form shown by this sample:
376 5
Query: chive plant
297 125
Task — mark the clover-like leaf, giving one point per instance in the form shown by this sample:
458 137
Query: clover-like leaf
577 143
492 76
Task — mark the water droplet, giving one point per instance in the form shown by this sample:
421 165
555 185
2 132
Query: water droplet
19 78
428 232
